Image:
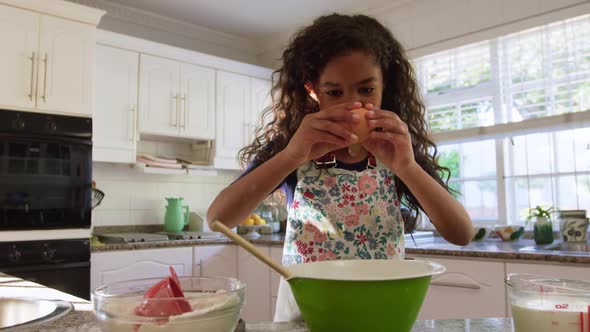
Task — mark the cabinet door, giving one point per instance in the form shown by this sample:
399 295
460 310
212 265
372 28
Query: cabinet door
260 99
276 253
66 62
159 95
233 107
197 118
257 277
114 266
115 104
216 261
19 34
475 287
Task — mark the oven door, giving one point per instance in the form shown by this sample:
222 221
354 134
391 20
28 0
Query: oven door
70 278
45 182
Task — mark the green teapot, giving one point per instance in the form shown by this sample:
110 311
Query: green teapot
175 218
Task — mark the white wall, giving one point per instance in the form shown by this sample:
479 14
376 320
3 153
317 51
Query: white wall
429 26
135 198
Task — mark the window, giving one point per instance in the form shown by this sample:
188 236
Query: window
541 73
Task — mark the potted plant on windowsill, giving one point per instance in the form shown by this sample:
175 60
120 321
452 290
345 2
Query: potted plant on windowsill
542 225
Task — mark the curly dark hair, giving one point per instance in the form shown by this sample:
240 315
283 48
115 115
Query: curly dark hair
303 61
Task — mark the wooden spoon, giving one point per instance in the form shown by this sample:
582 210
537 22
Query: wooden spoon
219 227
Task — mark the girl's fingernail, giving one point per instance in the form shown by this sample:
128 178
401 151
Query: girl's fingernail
353 138
372 122
369 105
355 117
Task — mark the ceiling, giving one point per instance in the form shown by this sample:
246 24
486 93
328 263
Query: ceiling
254 19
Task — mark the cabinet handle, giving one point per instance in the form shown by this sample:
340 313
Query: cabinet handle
200 267
175 123
470 283
44 97
32 76
185 107
132 111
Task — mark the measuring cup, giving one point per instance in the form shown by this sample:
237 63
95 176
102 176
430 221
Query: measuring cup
544 304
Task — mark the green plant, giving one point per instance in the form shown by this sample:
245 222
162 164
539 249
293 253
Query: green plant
537 212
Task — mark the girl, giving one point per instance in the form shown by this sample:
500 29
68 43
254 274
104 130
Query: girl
343 205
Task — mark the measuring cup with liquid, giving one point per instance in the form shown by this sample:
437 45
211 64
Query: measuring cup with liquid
544 304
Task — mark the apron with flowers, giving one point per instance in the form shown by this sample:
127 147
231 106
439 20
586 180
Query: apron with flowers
342 214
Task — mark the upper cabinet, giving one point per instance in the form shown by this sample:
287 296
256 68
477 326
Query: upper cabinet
233 107
115 104
176 99
19 35
65 61
240 102
260 91
197 85
47 61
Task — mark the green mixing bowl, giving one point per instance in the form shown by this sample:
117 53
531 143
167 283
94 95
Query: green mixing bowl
361 295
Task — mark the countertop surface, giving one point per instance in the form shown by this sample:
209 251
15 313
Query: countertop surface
491 248
82 318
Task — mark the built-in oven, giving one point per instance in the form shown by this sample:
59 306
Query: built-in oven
45 195
45 171
62 264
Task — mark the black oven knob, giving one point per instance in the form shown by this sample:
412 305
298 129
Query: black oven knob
51 126
14 255
48 253
18 124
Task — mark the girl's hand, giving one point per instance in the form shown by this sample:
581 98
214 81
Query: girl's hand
322 132
391 143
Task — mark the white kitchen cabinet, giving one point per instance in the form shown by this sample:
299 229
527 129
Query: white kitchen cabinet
578 272
114 266
475 287
197 85
115 105
256 275
19 35
276 253
216 261
46 61
66 63
176 99
260 99
232 110
159 89
240 102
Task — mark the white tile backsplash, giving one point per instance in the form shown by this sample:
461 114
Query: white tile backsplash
136 198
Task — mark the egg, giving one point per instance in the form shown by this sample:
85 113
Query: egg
360 129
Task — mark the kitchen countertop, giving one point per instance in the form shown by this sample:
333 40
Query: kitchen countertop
82 318
491 248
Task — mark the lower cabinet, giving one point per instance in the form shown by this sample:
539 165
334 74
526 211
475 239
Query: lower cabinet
113 266
276 253
216 261
256 275
468 289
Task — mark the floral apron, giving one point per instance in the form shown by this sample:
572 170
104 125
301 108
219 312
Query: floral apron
340 214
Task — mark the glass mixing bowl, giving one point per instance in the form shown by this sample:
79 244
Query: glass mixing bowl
215 305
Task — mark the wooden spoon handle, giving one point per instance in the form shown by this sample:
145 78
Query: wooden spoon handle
219 227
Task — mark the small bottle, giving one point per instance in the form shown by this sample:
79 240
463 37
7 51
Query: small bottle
543 230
